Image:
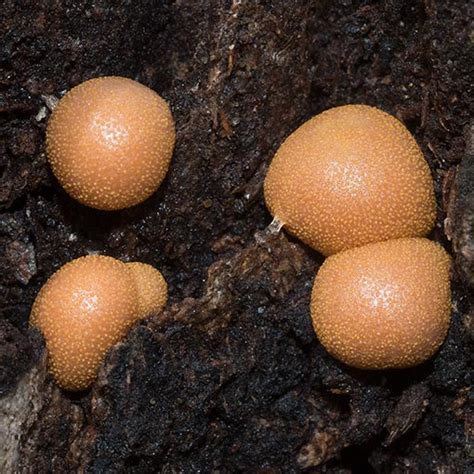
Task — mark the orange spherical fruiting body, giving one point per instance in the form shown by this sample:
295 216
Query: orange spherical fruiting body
351 175
110 141
87 306
383 305
151 288
84 308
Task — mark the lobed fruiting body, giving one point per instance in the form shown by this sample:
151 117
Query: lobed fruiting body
86 307
350 176
383 305
110 141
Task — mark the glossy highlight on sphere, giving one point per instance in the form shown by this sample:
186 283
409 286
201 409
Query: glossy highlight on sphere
110 142
151 288
383 305
84 308
350 176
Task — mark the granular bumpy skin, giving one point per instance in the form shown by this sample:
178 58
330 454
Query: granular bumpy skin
110 142
351 176
151 287
82 310
383 305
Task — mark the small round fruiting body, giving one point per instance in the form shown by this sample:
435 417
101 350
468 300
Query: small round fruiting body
110 141
82 310
151 287
86 307
351 175
383 305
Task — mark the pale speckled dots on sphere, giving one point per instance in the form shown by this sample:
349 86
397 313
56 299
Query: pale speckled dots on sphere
110 142
87 306
151 288
383 305
350 176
